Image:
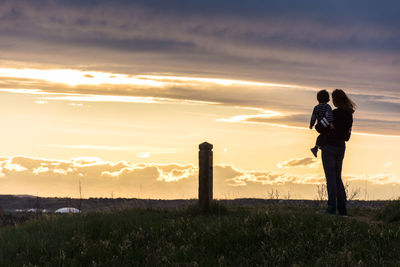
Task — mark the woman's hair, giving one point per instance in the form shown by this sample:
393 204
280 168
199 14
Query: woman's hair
341 100
323 96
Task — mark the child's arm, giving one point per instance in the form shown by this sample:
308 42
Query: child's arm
329 114
329 117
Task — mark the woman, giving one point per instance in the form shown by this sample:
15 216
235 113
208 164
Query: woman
333 151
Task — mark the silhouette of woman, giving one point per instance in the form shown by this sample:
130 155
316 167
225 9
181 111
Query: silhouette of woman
334 149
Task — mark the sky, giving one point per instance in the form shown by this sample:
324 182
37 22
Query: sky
117 96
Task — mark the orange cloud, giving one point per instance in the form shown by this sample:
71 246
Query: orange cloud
299 162
48 177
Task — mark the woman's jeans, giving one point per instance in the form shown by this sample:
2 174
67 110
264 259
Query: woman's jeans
332 160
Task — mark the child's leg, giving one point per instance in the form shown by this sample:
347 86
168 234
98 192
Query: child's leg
314 150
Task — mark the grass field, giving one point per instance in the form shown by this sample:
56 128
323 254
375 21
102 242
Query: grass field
272 235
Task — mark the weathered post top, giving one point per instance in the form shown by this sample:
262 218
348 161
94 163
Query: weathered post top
205 146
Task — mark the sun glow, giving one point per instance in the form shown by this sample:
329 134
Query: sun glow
102 81
77 77
73 77
244 118
218 81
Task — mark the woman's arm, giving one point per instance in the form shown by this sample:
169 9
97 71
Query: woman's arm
343 122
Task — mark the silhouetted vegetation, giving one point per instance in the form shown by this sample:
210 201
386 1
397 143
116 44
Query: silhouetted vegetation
274 235
390 212
215 208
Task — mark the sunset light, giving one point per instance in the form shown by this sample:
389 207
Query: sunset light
116 97
199 133
76 77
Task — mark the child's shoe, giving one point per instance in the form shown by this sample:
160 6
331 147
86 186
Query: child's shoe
314 150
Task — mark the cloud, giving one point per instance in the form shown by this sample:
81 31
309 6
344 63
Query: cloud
384 124
50 177
377 179
272 118
264 103
98 177
331 44
143 155
176 172
123 20
75 104
275 178
299 162
234 177
227 171
388 164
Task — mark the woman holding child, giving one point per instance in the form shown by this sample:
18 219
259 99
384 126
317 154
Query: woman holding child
335 132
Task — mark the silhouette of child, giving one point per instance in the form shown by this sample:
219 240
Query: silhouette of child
322 114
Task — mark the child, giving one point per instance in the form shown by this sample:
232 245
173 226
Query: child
322 113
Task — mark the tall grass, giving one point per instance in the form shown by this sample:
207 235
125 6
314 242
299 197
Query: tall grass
390 213
226 236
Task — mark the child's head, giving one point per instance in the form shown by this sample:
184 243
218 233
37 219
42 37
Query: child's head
323 96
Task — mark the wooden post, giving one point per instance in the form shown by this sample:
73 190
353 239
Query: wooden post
205 175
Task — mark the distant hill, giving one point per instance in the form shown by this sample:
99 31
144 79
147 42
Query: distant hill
10 203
